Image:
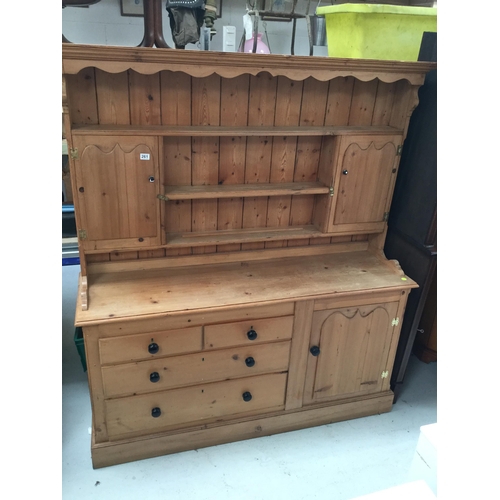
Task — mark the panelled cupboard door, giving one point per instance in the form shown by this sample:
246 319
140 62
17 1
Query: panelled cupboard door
349 352
364 182
117 187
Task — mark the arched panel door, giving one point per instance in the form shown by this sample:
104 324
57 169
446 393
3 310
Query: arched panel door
117 188
349 351
365 178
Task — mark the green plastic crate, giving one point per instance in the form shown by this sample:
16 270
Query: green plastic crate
384 32
80 347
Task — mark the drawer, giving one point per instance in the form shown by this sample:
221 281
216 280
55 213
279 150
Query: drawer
248 332
137 347
192 369
189 405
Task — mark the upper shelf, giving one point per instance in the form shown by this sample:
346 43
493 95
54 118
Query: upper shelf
213 131
243 190
148 60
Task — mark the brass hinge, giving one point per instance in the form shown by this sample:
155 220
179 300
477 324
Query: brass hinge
331 190
74 153
395 322
385 374
162 197
386 216
82 234
399 150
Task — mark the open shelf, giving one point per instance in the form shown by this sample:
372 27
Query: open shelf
213 131
243 190
206 238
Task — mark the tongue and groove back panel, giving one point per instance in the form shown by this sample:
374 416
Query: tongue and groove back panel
171 98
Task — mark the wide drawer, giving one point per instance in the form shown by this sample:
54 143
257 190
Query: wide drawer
180 407
128 348
248 332
192 369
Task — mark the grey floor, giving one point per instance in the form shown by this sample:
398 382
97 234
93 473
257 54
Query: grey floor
336 462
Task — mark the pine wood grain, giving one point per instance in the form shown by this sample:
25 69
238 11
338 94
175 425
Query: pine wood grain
176 111
312 113
244 191
235 334
339 101
144 91
190 369
354 345
160 292
288 104
298 355
124 349
384 100
81 96
229 65
112 180
203 402
205 152
234 113
216 131
363 102
261 108
127 450
112 98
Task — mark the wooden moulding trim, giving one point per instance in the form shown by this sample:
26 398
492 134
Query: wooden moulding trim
223 257
127 450
148 60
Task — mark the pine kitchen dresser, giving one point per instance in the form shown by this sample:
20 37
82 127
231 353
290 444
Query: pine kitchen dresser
231 212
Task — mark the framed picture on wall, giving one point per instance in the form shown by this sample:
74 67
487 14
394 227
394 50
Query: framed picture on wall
219 8
133 8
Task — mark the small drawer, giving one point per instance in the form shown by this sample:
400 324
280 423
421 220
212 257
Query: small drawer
191 369
248 332
149 345
190 405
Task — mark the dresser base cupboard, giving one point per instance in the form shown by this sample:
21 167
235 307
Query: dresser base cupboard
231 212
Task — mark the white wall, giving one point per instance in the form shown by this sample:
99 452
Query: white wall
103 24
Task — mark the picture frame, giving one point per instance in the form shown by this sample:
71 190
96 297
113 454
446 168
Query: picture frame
219 8
132 8
135 8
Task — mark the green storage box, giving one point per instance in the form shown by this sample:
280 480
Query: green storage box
80 347
386 32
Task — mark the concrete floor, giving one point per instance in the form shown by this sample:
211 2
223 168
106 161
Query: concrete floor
336 462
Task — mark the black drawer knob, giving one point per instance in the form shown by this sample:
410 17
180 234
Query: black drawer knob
250 362
252 335
155 412
314 350
153 348
345 172
154 377
247 396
